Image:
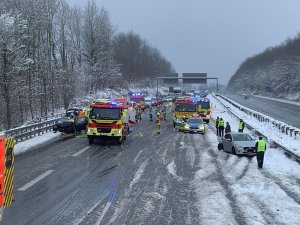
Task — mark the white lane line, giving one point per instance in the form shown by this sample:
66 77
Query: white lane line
81 151
34 181
138 155
80 221
99 220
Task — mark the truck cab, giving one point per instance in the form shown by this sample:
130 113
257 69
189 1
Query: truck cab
107 120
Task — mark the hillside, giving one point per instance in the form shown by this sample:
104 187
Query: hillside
277 67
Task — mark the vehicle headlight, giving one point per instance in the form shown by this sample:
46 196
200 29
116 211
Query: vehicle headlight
201 127
187 126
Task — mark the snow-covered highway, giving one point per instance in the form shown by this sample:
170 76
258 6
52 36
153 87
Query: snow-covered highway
283 111
172 178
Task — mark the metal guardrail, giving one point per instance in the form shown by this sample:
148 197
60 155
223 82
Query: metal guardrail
30 131
261 118
283 127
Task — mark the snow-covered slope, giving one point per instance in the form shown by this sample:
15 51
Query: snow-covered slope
282 75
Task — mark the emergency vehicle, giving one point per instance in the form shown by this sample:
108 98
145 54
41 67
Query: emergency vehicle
137 98
204 109
185 108
122 102
107 120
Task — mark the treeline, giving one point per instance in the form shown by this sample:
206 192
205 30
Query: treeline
51 52
277 67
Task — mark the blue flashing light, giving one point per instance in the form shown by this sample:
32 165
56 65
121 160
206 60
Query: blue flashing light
114 103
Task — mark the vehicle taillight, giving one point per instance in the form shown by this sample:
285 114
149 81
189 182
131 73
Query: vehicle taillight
92 124
117 126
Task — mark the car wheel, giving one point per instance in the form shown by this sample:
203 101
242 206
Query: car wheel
220 146
91 141
233 151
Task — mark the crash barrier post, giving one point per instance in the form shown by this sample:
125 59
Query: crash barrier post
6 170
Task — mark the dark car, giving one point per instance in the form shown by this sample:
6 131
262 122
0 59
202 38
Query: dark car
70 125
156 101
75 112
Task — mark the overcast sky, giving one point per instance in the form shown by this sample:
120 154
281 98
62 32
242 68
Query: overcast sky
213 36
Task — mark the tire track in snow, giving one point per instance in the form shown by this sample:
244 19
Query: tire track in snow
236 210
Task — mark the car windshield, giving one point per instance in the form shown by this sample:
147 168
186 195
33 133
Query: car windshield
204 105
195 120
241 137
105 113
74 111
185 108
136 99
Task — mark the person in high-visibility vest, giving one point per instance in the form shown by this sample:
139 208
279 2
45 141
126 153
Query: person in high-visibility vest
164 111
86 112
217 125
221 127
260 152
241 125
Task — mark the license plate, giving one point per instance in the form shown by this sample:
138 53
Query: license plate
103 134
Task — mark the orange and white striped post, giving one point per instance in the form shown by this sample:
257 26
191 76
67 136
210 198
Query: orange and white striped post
2 167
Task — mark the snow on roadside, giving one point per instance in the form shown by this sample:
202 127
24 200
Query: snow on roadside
30 143
172 168
138 174
266 128
268 196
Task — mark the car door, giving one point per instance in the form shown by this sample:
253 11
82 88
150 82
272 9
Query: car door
227 142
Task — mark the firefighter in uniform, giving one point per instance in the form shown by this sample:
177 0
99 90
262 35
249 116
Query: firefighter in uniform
164 111
260 152
221 127
151 113
140 111
241 125
136 113
158 123
217 125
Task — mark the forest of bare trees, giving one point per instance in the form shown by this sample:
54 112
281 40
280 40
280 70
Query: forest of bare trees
51 52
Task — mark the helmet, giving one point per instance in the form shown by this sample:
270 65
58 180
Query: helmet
157 114
183 117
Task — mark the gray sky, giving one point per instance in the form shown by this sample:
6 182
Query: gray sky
212 36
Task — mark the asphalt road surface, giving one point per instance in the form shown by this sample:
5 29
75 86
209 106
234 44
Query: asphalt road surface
284 112
171 178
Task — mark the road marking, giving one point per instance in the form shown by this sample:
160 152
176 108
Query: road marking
81 151
112 195
99 220
80 221
138 155
34 181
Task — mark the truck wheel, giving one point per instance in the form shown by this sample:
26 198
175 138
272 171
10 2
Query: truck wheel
91 140
120 141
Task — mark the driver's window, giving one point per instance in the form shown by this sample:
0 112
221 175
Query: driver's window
227 136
